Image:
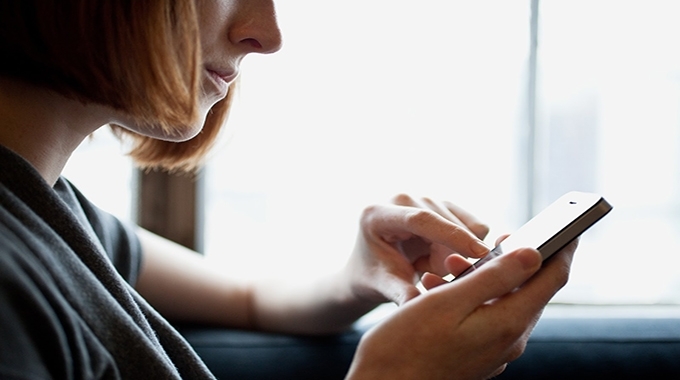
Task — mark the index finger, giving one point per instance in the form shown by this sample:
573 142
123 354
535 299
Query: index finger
398 221
472 222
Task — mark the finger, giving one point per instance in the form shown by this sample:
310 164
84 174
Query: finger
449 211
428 204
501 238
404 200
400 223
498 277
431 281
472 222
456 264
434 261
525 305
443 211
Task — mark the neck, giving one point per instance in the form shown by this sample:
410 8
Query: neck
42 126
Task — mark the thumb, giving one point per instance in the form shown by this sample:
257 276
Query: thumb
499 277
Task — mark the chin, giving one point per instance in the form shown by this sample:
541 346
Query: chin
177 134
172 134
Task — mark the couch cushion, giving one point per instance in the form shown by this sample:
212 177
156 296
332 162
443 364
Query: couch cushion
600 348
233 354
559 348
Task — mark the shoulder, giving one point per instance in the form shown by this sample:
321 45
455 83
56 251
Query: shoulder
118 239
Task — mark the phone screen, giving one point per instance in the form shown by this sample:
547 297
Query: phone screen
553 228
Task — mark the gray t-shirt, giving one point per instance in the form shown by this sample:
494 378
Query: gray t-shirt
67 309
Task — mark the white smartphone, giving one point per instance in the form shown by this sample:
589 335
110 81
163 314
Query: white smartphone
553 228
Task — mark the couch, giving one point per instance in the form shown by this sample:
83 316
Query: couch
601 345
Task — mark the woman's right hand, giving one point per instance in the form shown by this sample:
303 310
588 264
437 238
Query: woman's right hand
468 329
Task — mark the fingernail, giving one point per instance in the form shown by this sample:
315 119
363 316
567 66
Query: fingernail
480 249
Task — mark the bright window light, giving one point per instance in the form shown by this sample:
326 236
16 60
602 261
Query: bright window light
365 100
371 98
609 121
100 170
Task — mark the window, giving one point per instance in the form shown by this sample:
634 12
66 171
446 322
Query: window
368 99
365 100
101 172
609 121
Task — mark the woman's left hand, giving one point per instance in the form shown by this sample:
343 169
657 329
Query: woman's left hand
399 242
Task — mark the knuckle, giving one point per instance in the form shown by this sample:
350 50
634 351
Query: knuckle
420 217
369 210
428 200
563 277
498 371
369 213
402 199
516 351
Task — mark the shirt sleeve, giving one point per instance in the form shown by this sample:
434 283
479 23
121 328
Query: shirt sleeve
121 245
118 239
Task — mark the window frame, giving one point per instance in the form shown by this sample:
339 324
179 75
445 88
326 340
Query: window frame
170 205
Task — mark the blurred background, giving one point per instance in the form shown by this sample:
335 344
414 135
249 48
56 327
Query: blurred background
498 106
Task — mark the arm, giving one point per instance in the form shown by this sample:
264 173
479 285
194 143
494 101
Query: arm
183 286
397 243
467 329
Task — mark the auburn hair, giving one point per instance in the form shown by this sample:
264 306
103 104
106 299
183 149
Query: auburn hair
141 57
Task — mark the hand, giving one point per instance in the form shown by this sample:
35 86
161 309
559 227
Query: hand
469 329
454 264
399 242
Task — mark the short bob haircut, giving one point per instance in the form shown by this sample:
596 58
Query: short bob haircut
141 57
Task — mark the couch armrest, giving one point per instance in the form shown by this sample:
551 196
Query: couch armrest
600 348
559 348
234 354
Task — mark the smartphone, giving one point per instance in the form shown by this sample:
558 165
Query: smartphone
553 228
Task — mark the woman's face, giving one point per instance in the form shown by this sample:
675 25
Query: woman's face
229 30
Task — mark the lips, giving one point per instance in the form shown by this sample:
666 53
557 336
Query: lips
220 79
225 76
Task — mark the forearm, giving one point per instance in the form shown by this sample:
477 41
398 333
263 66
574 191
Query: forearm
321 306
184 286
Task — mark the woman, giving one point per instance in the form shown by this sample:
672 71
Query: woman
84 296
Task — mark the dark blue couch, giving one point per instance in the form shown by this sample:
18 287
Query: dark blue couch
559 348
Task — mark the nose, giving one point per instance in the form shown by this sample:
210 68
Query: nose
257 29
